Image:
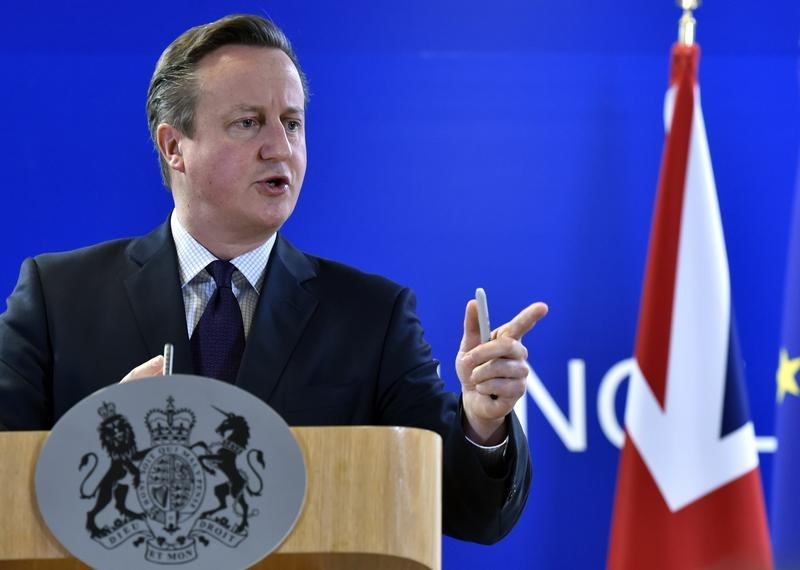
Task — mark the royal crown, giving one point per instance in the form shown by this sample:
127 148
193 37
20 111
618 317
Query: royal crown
170 426
107 410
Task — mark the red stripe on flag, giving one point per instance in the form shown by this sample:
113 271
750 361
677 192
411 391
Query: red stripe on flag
645 534
655 314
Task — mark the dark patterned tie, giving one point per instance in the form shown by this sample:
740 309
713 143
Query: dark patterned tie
218 339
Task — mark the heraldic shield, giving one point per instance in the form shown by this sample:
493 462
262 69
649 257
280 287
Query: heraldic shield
178 471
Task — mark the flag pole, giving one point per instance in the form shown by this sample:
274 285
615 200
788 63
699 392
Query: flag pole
687 23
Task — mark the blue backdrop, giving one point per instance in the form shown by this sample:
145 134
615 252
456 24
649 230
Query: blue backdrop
513 145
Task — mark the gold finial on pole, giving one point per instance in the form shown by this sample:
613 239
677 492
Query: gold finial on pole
687 22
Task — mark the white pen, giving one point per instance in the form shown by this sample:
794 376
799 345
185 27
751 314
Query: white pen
168 350
483 320
483 315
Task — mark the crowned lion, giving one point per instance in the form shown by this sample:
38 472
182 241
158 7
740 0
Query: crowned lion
119 441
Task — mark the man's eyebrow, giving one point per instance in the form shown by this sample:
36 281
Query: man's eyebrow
245 108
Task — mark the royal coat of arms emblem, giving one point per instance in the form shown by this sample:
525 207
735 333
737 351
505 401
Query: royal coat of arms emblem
169 481
166 485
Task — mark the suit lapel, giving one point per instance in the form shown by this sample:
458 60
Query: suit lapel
283 311
155 295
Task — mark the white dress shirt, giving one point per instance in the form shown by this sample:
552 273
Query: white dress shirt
198 286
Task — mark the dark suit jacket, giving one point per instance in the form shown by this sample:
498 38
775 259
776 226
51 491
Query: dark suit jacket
328 345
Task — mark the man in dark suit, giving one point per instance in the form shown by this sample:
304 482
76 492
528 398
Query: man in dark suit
320 342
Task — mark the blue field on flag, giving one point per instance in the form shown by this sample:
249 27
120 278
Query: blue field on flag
786 474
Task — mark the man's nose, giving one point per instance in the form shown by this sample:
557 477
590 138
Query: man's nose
275 143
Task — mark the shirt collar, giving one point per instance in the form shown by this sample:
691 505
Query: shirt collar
193 257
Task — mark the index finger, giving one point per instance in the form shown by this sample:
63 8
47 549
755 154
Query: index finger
524 321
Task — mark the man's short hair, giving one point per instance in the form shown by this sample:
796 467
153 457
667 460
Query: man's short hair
172 95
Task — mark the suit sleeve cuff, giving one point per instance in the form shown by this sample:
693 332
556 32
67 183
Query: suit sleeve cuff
491 457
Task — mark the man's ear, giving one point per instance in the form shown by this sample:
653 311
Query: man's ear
169 145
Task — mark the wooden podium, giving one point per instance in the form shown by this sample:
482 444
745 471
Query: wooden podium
373 501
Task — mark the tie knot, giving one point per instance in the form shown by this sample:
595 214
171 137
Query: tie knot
221 271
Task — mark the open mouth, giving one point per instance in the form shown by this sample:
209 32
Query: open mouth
276 182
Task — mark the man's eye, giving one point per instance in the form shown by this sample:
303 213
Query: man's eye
292 126
248 123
